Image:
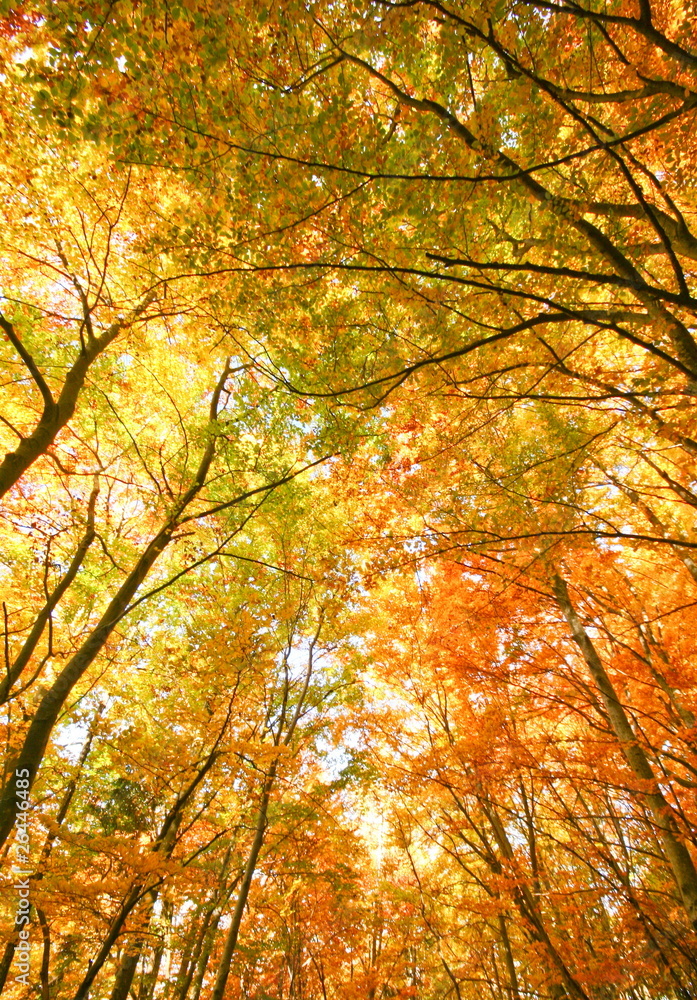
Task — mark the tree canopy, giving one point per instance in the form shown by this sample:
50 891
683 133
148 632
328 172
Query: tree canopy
347 479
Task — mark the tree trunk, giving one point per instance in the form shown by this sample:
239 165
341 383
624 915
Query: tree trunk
679 859
234 929
56 413
36 740
11 945
15 671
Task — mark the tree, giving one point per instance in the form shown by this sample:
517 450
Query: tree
361 330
